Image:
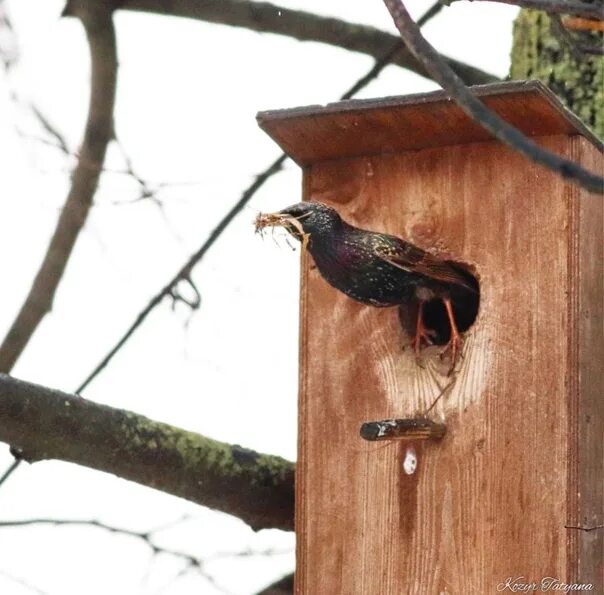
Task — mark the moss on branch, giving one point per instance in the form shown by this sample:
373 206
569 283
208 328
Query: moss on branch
48 424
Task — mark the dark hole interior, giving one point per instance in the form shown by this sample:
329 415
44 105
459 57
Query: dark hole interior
465 307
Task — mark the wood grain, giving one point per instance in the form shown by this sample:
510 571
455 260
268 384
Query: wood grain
365 127
522 456
586 403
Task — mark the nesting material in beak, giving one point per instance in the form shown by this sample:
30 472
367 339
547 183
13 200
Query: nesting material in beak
289 222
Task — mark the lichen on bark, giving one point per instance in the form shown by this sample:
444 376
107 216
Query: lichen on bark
577 78
42 423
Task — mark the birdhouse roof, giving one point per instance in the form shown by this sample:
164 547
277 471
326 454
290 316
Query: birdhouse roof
363 127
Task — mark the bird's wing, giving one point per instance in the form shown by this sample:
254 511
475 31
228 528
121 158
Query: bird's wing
412 259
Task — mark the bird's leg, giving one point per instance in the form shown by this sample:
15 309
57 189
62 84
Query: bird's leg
455 342
421 332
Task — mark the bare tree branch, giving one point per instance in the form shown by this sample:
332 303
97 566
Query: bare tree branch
24 584
50 129
192 562
100 32
9 48
284 586
184 274
581 9
560 31
148 538
48 424
145 536
470 104
171 289
10 470
389 56
303 26
575 46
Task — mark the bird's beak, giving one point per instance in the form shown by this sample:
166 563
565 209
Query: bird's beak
282 219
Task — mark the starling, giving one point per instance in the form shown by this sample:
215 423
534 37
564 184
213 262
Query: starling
376 268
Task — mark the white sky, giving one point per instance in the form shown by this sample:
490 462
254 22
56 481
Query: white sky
187 98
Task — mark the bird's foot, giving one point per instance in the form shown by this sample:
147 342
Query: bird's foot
425 336
422 334
454 346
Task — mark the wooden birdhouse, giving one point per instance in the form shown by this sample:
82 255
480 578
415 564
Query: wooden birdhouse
514 491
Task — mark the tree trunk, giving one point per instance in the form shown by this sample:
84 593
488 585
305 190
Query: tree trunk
539 51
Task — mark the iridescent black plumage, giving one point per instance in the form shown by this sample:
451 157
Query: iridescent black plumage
375 268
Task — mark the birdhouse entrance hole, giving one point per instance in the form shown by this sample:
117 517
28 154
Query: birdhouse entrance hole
435 315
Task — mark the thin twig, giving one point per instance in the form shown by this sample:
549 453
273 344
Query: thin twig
11 469
146 192
22 583
564 35
51 129
596 50
185 271
184 274
575 46
145 536
100 32
581 9
389 56
265 17
282 586
374 72
443 391
472 106
9 49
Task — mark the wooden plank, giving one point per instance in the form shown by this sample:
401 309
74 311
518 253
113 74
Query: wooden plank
586 439
491 500
395 124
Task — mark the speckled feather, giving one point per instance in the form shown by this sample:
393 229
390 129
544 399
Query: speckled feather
374 268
